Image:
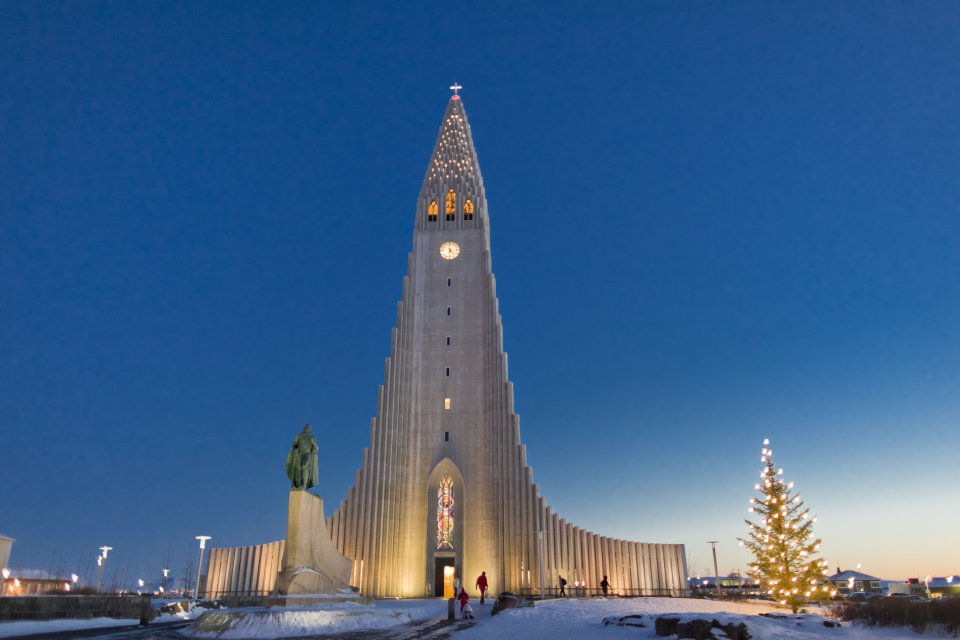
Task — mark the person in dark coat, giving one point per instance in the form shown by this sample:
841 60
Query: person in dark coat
604 585
563 587
482 585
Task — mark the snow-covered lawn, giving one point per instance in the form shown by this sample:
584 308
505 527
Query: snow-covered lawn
551 620
315 619
28 627
582 619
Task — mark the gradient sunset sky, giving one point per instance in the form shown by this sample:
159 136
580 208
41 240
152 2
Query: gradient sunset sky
712 223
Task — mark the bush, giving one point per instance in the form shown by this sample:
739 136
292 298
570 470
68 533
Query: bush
896 612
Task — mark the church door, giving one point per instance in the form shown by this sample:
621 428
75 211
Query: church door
444 573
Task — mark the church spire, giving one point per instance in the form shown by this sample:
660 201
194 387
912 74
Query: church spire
452 195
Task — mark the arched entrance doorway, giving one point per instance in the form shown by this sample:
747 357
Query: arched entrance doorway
445 509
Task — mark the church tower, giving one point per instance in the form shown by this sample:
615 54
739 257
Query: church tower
444 484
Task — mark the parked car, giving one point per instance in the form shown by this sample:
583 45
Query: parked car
859 596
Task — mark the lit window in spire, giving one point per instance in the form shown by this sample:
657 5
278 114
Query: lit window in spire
468 209
445 513
432 210
451 205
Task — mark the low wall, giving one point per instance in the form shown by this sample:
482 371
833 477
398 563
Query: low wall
55 607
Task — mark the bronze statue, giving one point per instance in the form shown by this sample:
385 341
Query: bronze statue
302 461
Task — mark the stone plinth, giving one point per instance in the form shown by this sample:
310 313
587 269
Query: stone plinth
311 563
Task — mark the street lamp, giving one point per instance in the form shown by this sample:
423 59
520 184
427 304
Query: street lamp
540 559
203 545
163 585
6 576
716 571
101 560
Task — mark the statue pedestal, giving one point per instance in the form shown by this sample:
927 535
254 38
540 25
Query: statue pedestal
311 562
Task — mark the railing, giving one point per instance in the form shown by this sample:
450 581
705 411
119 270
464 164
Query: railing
596 592
728 593
241 593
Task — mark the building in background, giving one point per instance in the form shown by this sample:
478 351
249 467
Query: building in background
855 582
26 582
947 587
6 544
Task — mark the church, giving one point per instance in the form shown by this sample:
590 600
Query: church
444 488
444 485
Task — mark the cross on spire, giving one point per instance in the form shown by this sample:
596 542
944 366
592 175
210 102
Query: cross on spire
456 88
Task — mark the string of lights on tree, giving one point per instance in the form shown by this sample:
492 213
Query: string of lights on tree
781 541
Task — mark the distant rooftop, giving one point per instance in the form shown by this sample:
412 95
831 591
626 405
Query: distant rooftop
856 575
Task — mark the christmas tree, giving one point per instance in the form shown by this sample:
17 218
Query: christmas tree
781 542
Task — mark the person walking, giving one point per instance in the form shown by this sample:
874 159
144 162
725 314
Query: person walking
563 587
457 587
482 585
604 585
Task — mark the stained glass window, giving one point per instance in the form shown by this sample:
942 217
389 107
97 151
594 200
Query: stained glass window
445 513
468 209
432 210
451 205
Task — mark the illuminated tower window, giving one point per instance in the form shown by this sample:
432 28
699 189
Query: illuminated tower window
432 210
445 513
451 205
446 404
468 209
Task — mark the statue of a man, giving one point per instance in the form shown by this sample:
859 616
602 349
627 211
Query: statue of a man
302 460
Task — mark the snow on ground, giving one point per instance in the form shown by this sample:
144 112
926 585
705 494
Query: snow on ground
316 619
192 614
567 619
570 619
27 627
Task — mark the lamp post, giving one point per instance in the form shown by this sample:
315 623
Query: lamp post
6 576
163 585
203 545
540 559
101 560
716 571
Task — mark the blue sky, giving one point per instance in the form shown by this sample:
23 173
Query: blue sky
711 224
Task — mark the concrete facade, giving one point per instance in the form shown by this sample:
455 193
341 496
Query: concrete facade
446 410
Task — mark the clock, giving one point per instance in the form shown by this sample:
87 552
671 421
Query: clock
449 250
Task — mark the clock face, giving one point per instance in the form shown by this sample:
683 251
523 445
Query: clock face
449 250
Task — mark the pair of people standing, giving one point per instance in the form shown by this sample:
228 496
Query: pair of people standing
604 585
466 611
